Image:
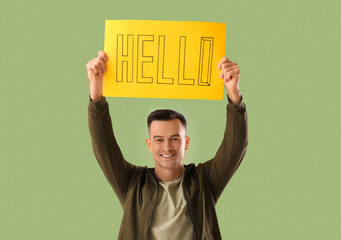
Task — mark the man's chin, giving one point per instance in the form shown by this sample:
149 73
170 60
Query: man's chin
169 163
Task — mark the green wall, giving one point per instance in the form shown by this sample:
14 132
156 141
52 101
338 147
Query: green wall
288 185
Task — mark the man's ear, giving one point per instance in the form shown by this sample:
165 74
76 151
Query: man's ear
148 144
187 142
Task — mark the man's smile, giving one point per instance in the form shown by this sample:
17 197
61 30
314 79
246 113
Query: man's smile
167 155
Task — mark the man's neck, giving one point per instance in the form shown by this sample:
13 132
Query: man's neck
166 174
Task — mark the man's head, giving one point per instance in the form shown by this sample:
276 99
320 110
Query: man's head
165 115
167 138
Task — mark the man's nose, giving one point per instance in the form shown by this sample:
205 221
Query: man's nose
168 145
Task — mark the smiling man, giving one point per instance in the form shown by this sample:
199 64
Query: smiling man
171 200
168 142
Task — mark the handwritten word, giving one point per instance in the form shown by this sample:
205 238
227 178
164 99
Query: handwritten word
128 55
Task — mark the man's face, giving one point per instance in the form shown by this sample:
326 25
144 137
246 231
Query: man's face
168 142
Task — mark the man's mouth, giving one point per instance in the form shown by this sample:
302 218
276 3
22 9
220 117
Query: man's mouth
167 155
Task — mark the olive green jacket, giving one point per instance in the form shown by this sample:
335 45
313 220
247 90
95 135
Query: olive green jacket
137 187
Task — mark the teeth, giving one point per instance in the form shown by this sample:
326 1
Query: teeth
166 155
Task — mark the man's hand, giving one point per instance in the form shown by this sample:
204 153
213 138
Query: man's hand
230 74
96 68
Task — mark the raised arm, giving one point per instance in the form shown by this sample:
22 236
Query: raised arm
221 168
116 169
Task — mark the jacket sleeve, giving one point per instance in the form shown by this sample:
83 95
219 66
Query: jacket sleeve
116 169
221 168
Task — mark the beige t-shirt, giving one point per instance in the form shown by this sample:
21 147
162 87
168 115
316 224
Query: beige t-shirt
170 219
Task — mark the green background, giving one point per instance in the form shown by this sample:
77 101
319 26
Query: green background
288 185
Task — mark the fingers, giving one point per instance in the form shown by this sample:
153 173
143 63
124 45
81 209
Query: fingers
232 73
228 68
102 55
90 66
102 64
224 62
228 64
97 65
224 59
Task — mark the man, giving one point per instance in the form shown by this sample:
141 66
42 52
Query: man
172 200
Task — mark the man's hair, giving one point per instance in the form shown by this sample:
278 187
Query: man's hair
164 115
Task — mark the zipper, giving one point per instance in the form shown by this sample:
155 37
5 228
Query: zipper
188 208
151 212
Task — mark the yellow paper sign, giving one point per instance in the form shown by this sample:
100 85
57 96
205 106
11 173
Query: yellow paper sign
163 59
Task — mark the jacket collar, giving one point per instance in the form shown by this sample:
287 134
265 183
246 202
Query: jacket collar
188 168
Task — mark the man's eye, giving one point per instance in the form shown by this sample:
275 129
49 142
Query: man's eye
176 139
158 140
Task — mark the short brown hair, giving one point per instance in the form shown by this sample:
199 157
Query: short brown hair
165 115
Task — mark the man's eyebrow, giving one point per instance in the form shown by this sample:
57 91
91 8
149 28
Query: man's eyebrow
174 135
157 136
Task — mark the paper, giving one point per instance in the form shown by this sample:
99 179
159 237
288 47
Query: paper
163 59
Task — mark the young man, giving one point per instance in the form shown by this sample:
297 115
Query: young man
172 200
